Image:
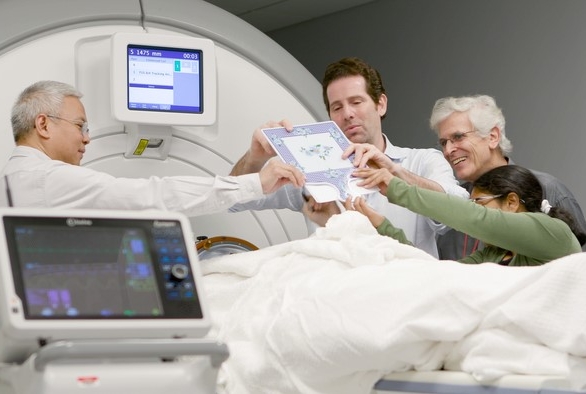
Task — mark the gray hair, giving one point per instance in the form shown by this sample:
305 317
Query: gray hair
41 97
482 112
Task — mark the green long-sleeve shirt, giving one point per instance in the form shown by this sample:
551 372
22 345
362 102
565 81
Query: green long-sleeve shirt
534 237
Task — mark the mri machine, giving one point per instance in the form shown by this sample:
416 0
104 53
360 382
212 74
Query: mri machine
255 80
243 79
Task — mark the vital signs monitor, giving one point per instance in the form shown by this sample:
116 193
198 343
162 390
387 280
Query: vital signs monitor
95 274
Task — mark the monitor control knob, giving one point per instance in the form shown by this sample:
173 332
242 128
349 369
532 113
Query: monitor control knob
179 272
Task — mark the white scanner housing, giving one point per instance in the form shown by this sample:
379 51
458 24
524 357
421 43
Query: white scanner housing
256 80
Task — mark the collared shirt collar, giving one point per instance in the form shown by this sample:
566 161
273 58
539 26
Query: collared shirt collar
396 154
27 151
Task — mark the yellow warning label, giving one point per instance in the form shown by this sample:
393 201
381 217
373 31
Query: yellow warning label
142 144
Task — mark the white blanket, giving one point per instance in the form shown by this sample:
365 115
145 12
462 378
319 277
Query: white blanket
335 312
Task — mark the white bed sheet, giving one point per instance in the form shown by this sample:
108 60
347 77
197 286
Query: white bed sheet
336 312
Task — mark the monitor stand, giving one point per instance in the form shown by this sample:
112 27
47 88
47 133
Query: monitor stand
178 366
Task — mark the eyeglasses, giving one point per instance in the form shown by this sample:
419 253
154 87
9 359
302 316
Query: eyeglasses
485 199
83 126
456 138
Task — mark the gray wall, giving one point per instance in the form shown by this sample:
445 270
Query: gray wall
528 54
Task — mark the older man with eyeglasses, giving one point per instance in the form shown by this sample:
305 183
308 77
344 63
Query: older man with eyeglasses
471 135
51 134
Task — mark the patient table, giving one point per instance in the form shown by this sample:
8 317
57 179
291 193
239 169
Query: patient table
456 382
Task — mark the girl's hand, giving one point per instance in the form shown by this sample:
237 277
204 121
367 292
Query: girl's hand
359 204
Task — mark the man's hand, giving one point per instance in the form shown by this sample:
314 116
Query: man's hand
260 150
368 154
319 213
277 174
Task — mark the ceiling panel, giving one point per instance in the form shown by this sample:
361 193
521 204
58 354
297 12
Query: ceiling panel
267 15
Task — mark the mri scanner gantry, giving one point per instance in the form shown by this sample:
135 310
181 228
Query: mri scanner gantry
257 81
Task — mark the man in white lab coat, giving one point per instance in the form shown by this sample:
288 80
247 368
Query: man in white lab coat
51 133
